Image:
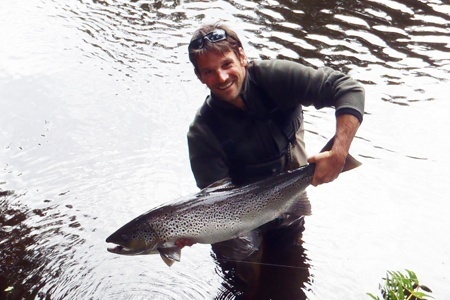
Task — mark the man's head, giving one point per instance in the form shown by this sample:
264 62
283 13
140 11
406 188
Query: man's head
223 39
219 61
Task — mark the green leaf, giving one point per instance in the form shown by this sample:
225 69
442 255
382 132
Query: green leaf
401 286
373 296
425 288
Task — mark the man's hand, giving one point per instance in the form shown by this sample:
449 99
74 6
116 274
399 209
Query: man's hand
329 164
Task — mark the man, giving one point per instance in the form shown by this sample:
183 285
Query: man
241 94
251 124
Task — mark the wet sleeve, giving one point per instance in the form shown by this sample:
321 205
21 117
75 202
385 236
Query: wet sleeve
206 155
293 83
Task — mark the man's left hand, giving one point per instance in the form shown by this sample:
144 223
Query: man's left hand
329 164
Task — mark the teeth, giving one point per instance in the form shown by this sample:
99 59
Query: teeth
225 86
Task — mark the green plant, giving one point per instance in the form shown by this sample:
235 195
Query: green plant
398 286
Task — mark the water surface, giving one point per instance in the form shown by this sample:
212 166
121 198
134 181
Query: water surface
96 98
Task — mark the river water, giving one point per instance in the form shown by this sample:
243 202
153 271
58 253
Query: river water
96 97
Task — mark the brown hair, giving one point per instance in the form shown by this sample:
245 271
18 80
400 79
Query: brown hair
232 42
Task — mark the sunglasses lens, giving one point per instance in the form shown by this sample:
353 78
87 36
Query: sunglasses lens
214 37
197 43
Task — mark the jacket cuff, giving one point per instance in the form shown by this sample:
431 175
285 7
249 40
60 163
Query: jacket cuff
350 111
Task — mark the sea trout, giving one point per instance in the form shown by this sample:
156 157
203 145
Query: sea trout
217 213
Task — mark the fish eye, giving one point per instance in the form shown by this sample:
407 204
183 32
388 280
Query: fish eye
125 238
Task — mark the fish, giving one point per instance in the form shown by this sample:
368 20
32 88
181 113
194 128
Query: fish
219 212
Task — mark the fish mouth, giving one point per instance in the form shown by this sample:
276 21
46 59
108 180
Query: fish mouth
118 249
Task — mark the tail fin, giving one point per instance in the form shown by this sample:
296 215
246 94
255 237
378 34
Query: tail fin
350 163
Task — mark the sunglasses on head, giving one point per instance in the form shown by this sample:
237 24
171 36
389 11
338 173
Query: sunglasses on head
214 36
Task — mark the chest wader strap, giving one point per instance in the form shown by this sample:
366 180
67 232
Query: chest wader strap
283 126
287 122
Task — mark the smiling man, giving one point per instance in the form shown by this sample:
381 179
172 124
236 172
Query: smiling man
224 74
251 125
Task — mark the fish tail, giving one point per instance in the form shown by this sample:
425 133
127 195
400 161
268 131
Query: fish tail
350 161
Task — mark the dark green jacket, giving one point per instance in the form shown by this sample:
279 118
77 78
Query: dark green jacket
287 85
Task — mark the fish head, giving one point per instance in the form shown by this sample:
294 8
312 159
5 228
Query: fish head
134 238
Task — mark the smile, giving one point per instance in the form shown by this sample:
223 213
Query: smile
224 87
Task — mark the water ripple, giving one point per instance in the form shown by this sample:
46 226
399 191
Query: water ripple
153 36
92 87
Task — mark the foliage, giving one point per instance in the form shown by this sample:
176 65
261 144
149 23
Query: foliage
398 286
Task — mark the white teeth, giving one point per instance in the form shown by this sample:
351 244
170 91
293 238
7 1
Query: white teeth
225 86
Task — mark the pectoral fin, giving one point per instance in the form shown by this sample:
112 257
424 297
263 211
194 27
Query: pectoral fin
170 255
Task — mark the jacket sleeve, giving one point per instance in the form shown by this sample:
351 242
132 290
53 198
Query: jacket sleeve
205 154
293 83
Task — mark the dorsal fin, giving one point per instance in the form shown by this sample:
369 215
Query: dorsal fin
224 184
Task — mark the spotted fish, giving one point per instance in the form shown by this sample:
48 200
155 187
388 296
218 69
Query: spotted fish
217 213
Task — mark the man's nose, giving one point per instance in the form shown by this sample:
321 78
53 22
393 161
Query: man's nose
222 75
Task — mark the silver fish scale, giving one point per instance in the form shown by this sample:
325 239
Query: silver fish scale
147 235
224 215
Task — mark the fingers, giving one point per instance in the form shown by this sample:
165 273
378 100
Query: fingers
327 168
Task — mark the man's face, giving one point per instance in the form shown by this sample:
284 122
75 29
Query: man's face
223 74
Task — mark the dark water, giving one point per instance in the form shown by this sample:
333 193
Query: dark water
95 101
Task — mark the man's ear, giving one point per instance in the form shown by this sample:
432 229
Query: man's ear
243 57
199 76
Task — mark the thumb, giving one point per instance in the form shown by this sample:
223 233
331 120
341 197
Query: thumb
312 159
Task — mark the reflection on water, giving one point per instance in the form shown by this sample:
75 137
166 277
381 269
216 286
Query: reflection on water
278 270
36 245
97 97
